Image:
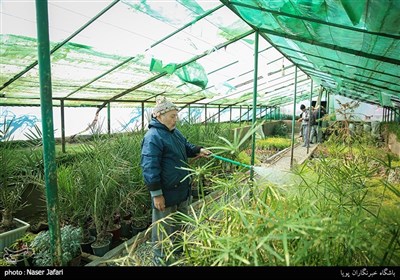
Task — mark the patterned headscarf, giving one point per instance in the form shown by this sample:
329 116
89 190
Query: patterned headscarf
163 106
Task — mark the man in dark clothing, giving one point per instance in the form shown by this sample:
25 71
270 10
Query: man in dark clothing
318 115
313 125
164 151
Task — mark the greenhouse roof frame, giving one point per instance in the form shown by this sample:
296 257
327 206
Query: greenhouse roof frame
200 52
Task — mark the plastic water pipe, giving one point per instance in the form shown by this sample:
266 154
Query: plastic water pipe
231 161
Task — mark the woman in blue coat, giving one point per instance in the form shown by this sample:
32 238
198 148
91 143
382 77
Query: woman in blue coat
164 151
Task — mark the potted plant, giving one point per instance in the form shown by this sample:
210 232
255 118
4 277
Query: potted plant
141 215
12 185
20 253
75 200
107 179
104 206
139 224
135 208
71 238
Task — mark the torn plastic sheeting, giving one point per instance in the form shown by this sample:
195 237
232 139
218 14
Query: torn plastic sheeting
193 73
156 65
385 99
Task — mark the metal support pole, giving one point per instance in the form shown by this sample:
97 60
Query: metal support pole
62 126
49 153
142 116
328 105
240 115
266 113
294 115
253 122
109 118
270 114
310 111
205 114
59 45
219 113
189 113
385 114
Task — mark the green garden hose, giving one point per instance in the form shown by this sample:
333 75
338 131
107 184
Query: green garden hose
231 161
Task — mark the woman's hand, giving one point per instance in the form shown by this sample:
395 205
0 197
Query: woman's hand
204 152
159 202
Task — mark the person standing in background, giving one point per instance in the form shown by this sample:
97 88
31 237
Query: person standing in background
313 125
304 119
319 113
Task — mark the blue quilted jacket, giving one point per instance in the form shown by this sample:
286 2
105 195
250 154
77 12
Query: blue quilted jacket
163 152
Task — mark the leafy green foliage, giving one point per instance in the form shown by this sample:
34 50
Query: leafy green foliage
71 238
340 213
103 182
280 129
239 142
392 127
273 143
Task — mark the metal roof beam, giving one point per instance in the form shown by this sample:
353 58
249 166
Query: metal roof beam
331 46
357 81
16 77
361 76
249 88
234 10
152 46
190 103
376 102
274 12
156 77
335 61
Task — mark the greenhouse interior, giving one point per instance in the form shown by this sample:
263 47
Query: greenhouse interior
290 110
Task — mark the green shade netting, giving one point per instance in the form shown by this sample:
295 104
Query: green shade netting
353 42
156 65
193 73
385 100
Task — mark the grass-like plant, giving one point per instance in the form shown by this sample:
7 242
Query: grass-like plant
12 177
276 143
338 215
342 211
